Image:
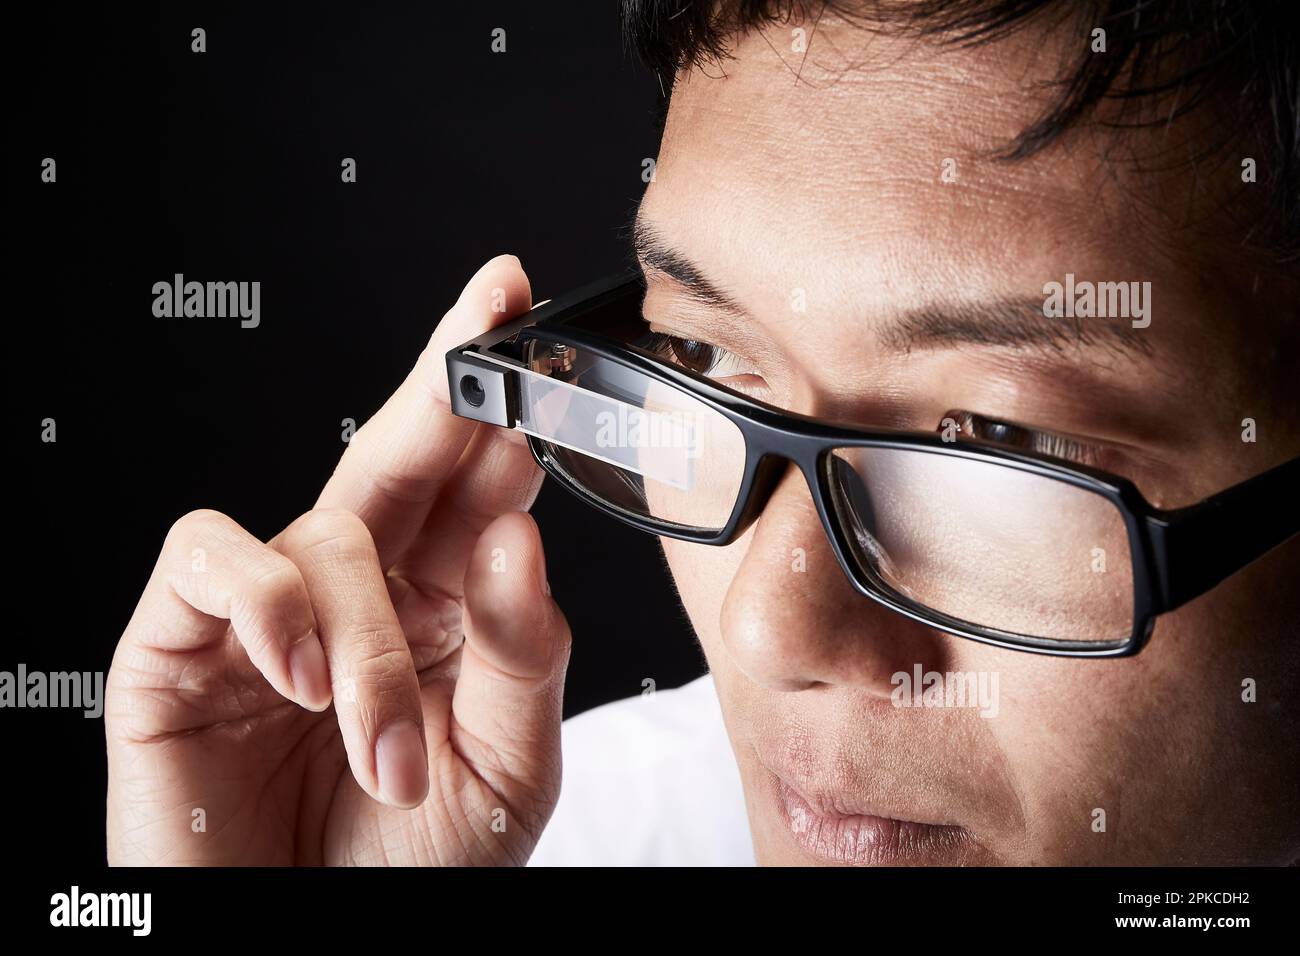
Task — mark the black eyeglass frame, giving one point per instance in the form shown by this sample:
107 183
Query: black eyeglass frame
1176 555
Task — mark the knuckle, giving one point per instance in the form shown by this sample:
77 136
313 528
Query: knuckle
275 584
380 665
271 605
334 531
387 475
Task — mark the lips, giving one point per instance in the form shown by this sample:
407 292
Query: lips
867 840
887 793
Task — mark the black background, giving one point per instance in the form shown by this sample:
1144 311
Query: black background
225 166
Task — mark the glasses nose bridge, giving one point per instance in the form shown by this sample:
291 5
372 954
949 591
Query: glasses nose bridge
772 456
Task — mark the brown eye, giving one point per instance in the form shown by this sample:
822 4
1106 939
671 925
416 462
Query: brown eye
1007 435
987 429
699 357
691 354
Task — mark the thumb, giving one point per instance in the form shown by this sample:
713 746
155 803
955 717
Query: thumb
510 690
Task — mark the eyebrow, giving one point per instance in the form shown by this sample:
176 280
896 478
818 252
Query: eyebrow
1009 323
1017 323
657 255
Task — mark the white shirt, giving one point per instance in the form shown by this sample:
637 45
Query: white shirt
649 781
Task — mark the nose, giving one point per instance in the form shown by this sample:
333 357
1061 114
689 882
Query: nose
792 620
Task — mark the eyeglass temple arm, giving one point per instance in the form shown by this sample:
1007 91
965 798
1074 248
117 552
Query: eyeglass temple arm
1197 547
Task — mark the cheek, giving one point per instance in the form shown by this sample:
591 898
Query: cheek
1069 736
1162 744
703 575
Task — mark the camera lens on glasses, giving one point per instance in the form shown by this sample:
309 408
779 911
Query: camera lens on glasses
471 389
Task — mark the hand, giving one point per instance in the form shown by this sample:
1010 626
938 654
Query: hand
381 683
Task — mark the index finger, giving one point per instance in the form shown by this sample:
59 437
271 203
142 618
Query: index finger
397 462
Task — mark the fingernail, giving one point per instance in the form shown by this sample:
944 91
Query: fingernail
309 673
402 765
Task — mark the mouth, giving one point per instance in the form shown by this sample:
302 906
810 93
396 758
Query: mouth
863 839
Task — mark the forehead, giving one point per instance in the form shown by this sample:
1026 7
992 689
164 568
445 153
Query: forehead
866 169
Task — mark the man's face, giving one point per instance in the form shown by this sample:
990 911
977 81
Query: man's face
830 205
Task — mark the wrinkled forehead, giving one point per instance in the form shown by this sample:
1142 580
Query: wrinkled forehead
867 166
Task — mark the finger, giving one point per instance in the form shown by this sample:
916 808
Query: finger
497 474
376 693
398 461
213 576
509 693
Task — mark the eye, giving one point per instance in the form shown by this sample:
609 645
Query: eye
980 428
697 356
988 429
694 355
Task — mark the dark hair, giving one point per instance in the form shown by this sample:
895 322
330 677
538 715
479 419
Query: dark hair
1242 55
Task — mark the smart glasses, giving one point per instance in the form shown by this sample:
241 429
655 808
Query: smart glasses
1005 547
